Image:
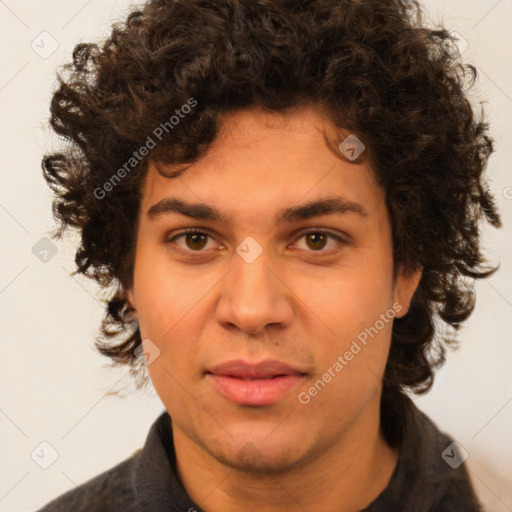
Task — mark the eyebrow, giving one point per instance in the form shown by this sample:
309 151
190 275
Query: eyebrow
201 211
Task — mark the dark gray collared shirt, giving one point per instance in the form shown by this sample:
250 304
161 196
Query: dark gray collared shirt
148 481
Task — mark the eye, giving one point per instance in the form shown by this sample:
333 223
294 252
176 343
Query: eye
196 240
317 240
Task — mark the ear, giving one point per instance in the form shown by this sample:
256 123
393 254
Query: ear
406 284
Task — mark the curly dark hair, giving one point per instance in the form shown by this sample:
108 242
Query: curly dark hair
373 67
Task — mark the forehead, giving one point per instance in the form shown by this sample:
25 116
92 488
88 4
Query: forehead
260 162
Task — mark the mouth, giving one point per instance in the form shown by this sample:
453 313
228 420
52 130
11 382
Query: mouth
254 384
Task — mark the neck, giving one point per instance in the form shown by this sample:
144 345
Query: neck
346 478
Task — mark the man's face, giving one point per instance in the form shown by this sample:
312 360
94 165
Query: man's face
305 300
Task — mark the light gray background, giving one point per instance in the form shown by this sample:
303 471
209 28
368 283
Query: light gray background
53 384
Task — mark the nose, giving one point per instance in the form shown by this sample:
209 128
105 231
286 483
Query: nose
254 296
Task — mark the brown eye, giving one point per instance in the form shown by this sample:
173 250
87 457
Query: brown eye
316 241
195 241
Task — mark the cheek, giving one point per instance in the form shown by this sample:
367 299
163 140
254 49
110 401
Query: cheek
165 308
349 376
356 315
348 299
165 293
175 372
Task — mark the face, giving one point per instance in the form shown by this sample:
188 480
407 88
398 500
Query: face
262 278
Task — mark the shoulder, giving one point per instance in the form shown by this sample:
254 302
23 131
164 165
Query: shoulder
442 473
139 482
110 491
430 475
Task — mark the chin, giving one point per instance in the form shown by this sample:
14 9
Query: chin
251 460
260 457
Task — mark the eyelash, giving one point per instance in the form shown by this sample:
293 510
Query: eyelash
300 235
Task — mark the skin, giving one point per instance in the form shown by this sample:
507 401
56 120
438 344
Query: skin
302 303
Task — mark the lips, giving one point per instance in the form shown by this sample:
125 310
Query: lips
263 370
254 384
